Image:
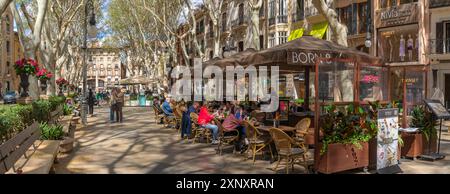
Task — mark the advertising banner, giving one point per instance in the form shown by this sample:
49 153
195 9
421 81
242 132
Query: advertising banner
387 140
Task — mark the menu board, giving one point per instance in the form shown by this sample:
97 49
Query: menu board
387 139
438 109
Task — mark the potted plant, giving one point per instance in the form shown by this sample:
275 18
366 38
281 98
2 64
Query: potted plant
43 75
344 145
61 82
24 68
56 133
425 140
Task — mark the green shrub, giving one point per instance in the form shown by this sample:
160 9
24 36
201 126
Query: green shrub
51 132
41 110
425 121
25 113
55 101
68 110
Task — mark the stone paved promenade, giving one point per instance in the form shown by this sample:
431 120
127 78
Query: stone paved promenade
141 146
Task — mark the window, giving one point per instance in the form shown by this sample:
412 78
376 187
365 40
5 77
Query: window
211 54
271 40
261 42
211 29
392 3
101 66
262 10
300 9
8 49
8 64
241 13
272 9
363 13
282 37
282 7
117 66
241 46
8 25
200 27
345 17
224 22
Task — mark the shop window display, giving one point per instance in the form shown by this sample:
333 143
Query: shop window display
399 45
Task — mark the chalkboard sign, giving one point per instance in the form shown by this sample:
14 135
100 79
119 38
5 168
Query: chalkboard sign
438 109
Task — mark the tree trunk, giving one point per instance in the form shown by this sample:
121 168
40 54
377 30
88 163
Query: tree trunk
339 31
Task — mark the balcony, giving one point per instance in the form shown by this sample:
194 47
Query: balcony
439 46
439 3
282 19
299 16
242 21
272 21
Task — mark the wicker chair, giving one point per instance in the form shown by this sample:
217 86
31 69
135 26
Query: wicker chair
178 117
286 150
168 119
225 138
302 129
198 131
257 142
158 114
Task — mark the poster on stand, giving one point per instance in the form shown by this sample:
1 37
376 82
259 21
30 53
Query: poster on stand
387 139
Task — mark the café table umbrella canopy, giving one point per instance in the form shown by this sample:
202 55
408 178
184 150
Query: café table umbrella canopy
304 52
136 80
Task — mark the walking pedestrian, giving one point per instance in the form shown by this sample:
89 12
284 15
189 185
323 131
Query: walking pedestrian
112 105
91 99
119 105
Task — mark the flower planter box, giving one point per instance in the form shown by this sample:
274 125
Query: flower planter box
416 144
340 157
66 145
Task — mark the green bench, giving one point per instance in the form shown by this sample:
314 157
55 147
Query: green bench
25 153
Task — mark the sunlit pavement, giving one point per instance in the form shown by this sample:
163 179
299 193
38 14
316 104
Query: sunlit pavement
139 146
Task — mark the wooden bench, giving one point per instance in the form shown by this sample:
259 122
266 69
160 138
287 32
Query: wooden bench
26 154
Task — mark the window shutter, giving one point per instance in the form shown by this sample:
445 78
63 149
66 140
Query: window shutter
439 37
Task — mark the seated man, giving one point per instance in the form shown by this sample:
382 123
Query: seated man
166 107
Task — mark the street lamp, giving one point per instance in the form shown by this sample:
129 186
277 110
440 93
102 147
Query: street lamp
229 47
368 42
89 29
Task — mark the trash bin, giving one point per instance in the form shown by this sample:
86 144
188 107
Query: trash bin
142 100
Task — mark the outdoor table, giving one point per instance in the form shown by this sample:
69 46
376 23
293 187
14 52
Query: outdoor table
286 129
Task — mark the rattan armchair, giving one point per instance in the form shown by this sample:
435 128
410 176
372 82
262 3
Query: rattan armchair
178 117
257 142
225 138
158 114
288 149
302 129
168 119
198 131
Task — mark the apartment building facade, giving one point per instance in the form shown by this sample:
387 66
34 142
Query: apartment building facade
104 69
439 48
8 78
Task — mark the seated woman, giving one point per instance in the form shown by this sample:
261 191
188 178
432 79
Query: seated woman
234 122
205 119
